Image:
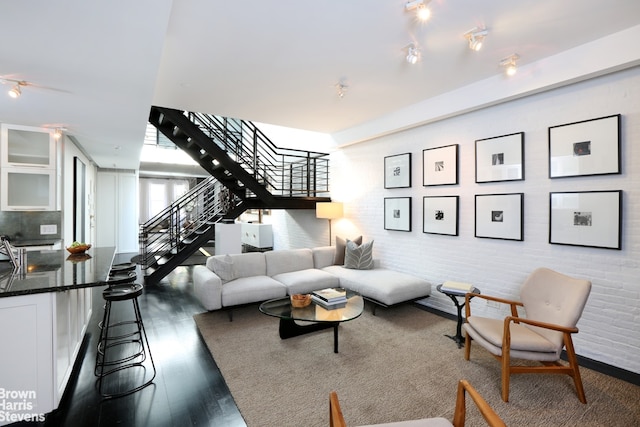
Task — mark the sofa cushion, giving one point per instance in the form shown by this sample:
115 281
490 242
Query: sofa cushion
285 261
359 257
323 256
341 246
305 281
251 289
386 286
244 265
223 267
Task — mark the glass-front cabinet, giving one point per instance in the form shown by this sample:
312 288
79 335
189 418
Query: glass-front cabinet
28 168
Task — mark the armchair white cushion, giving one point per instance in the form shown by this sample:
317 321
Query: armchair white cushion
553 303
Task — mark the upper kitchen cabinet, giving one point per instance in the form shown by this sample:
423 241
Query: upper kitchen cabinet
24 146
28 168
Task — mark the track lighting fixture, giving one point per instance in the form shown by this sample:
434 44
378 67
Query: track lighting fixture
341 89
475 37
509 64
413 53
422 11
15 91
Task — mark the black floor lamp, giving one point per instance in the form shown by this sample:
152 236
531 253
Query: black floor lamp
329 210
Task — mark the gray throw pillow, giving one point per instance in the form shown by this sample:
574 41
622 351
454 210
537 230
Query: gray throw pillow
341 246
223 267
359 257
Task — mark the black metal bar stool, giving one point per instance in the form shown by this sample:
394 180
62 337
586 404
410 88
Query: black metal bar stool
123 345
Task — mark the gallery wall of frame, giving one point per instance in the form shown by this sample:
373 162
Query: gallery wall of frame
579 218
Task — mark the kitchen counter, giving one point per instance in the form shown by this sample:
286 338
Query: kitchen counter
57 270
46 312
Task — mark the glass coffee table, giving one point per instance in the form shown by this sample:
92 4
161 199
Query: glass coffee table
320 317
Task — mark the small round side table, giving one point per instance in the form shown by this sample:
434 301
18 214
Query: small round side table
454 294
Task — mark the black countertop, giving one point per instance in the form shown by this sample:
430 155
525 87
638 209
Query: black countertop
52 271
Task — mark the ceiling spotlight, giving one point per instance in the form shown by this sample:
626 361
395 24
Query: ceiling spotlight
475 37
341 88
413 53
509 64
422 11
15 91
57 133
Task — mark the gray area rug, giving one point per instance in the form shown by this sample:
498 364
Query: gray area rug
397 365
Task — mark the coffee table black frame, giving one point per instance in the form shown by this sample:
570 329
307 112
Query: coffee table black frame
454 294
320 317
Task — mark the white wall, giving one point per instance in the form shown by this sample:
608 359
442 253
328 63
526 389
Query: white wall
610 325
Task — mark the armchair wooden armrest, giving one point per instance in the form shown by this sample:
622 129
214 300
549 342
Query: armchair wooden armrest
336 419
512 303
560 328
489 415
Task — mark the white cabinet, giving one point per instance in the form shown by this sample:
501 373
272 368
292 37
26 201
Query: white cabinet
25 146
257 235
228 239
28 165
26 189
41 338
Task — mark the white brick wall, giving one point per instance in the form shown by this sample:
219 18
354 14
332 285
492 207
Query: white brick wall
610 325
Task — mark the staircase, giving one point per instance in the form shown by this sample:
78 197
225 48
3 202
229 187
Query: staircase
247 172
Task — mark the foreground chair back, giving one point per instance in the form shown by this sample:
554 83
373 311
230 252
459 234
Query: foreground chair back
492 419
553 303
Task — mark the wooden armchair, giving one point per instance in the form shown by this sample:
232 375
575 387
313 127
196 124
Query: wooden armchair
553 303
492 419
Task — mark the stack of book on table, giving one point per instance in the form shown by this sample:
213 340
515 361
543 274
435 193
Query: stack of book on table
330 298
456 287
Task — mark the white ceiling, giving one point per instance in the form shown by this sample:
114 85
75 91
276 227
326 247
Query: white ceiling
97 67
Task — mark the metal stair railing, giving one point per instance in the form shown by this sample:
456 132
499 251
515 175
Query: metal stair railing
164 234
283 171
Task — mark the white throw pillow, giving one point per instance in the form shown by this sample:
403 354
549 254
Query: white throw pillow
223 267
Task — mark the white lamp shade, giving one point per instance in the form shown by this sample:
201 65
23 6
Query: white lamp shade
329 210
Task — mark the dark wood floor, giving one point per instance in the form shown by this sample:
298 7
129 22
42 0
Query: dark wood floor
188 389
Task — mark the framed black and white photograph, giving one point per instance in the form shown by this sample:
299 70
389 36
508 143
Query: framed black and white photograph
440 165
586 218
589 147
397 171
440 215
500 158
397 213
500 216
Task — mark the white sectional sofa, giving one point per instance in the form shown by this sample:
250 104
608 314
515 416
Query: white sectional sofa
229 280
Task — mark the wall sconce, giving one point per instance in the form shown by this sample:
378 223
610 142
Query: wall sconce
509 64
329 210
475 37
57 134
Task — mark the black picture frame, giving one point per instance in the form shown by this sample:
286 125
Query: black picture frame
440 215
500 158
500 216
440 165
585 148
397 213
586 218
397 171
